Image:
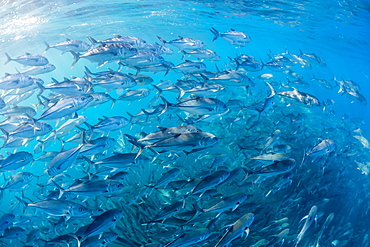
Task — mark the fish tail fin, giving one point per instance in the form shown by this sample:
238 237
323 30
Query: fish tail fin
89 126
138 69
8 58
273 92
77 239
263 64
181 92
76 57
130 115
61 190
6 135
113 102
162 40
23 202
91 164
205 78
169 68
92 40
87 71
215 33
133 141
166 105
139 145
247 173
198 211
41 87
301 53
47 47
183 56
237 63
159 90
286 50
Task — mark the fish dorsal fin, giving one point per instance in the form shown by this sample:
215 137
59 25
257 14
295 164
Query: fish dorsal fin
54 80
117 35
66 79
27 53
161 128
7 74
232 29
189 61
180 37
67 39
177 135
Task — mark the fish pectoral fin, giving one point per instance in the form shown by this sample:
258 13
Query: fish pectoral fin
246 231
161 128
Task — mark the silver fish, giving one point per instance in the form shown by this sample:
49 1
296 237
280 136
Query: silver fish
103 222
236 230
323 147
65 107
309 219
183 43
233 37
28 59
63 160
69 45
165 133
38 70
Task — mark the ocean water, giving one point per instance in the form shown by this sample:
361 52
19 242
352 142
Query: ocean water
335 181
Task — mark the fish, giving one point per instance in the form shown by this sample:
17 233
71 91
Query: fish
16 161
233 37
92 188
135 94
107 124
309 219
64 107
103 222
6 220
323 147
136 42
328 220
106 53
187 142
28 59
18 81
18 181
203 54
190 238
189 67
236 230
39 70
183 43
103 240
297 96
165 178
58 207
231 202
69 45
165 133
199 105
63 160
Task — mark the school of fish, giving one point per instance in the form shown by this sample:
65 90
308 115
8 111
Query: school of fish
233 152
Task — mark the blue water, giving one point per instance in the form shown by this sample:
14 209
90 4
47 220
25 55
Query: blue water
337 31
